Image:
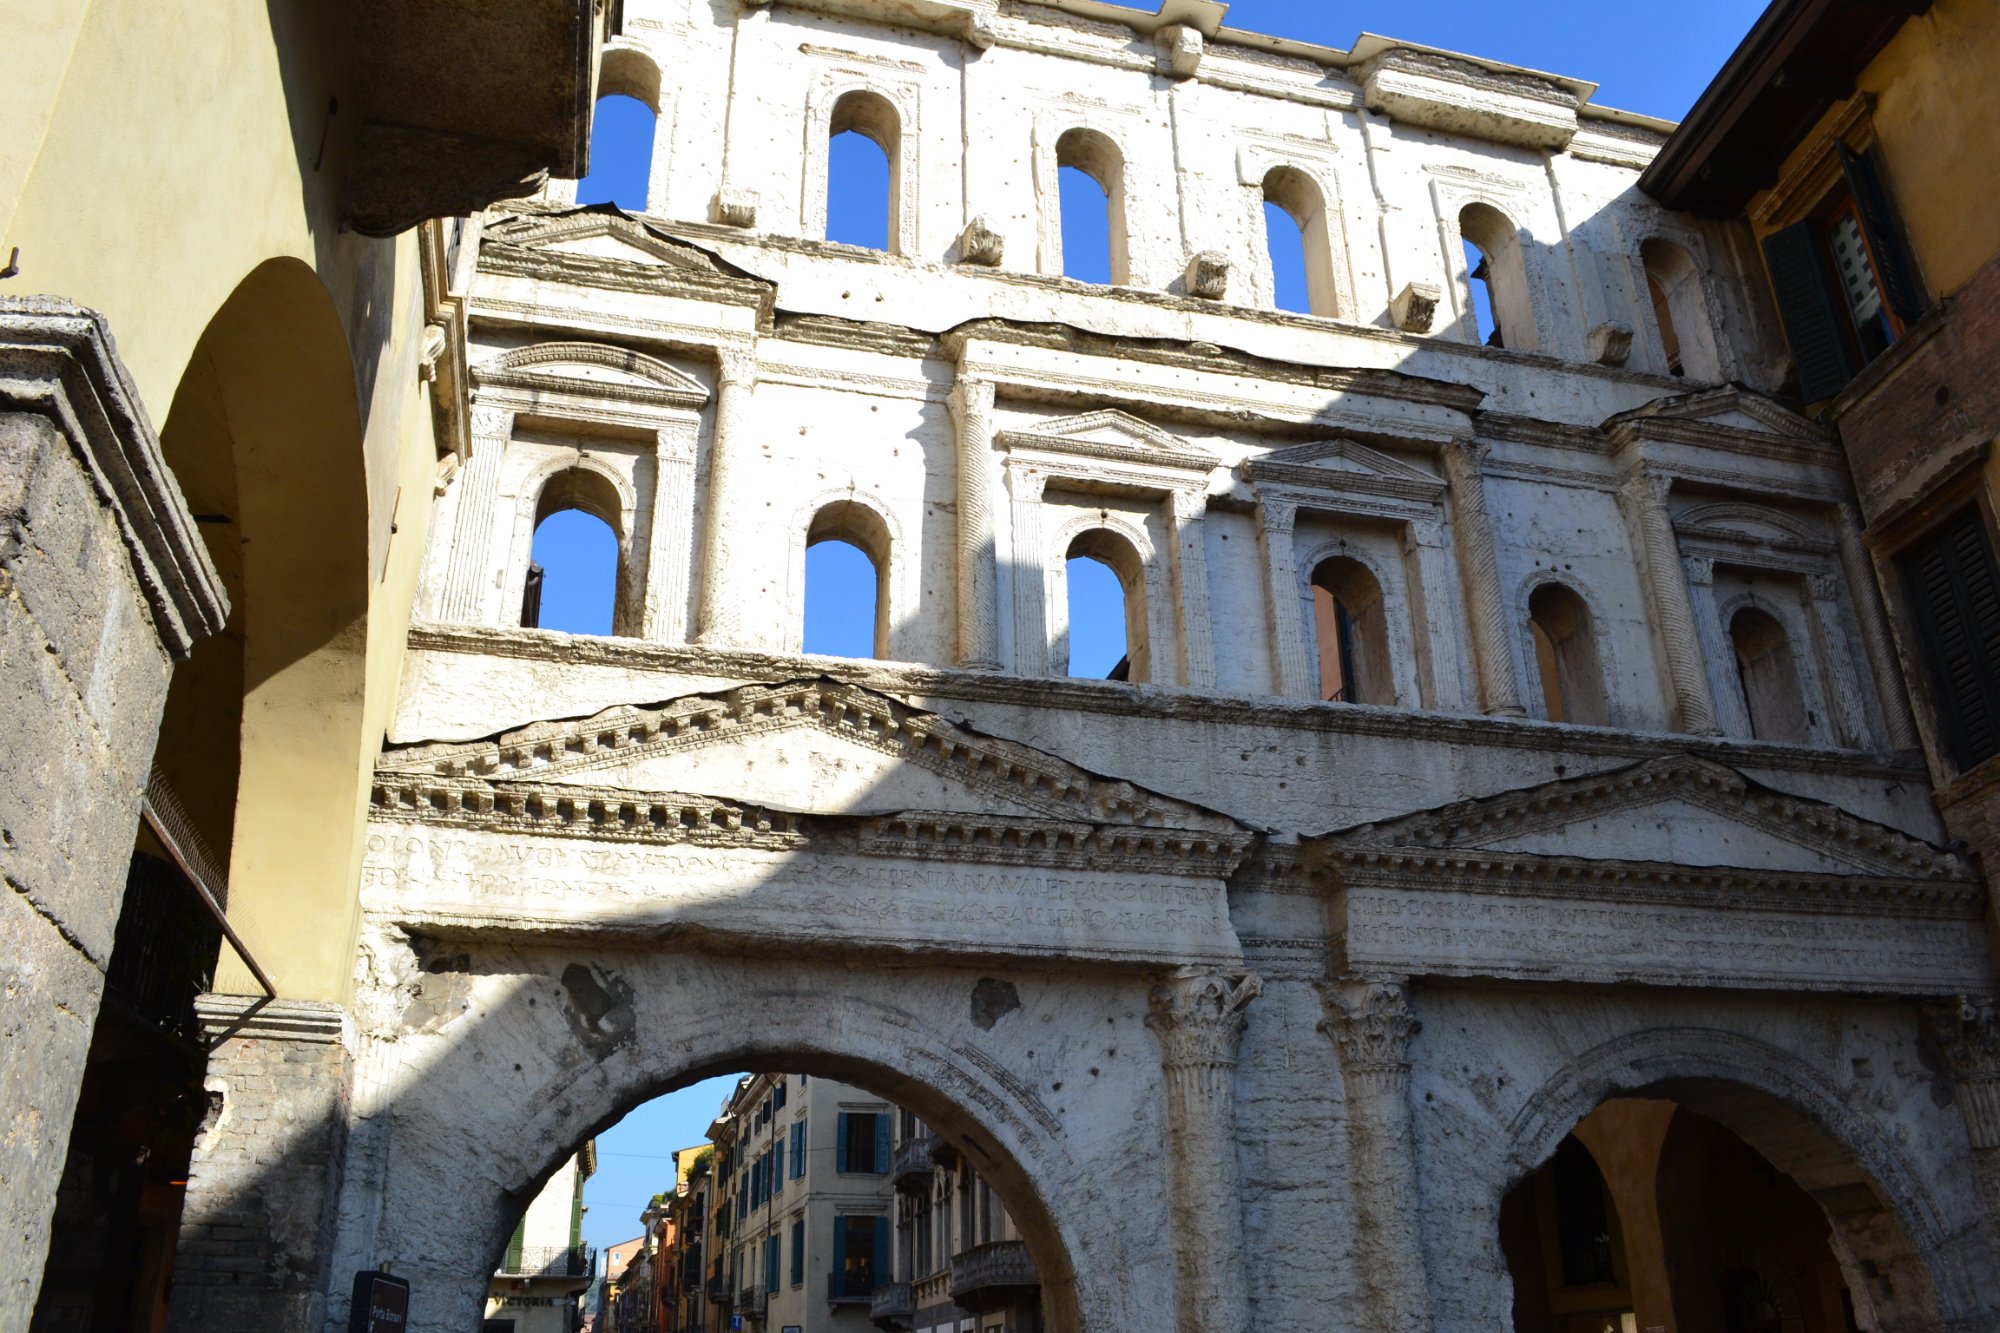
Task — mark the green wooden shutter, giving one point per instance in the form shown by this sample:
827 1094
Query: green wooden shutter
1955 595
881 1144
1885 236
840 1143
878 1274
1806 303
514 1243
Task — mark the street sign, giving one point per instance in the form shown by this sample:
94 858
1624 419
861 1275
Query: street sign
381 1304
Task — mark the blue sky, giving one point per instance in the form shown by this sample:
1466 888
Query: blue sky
1646 57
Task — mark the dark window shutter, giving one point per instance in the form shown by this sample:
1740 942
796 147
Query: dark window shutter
881 1144
798 1253
839 1249
1812 322
1955 595
879 1266
1885 236
840 1137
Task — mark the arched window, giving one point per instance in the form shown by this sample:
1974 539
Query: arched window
621 154
1353 631
1566 656
864 172
1498 278
847 555
1107 609
1770 677
1301 249
576 577
1090 181
1680 312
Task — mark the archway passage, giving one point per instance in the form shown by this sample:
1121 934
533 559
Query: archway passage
1650 1215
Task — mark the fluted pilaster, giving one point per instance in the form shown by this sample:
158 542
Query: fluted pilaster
667 547
469 575
1486 613
1897 720
978 602
721 608
1185 510
1966 1032
1291 661
1645 494
1198 1016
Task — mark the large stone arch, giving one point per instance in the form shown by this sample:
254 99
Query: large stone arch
451 1143
1902 1254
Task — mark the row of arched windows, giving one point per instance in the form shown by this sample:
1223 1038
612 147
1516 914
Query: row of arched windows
578 579
864 197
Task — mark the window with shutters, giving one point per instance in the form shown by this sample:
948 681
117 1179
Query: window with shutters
864 1143
798 1149
1844 282
1954 599
771 1263
798 1273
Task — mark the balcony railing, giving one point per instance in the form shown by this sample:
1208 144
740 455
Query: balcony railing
753 1301
550 1261
912 1164
987 1277
845 1288
891 1306
716 1291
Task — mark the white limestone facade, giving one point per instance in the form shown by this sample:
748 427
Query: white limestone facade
1252 1005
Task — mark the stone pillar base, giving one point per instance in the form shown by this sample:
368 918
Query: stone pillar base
257 1228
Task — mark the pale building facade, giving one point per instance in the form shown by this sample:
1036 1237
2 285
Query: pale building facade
547 1267
961 1265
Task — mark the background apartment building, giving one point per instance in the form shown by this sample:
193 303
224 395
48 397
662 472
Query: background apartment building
547 1266
801 1225
960 1263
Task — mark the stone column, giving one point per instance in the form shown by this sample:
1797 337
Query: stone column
469 577
721 609
1855 562
1432 616
105 584
1185 510
257 1227
1966 1032
1486 611
1732 714
667 546
1645 496
1292 665
1198 1016
1031 631
1372 1025
978 602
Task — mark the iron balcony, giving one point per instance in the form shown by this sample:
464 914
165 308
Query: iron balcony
987 1277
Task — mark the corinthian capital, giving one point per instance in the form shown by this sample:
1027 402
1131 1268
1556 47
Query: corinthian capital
1372 1024
1966 1032
1198 1015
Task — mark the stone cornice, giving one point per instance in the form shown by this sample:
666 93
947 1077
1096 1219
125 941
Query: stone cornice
257 1018
57 360
1118 699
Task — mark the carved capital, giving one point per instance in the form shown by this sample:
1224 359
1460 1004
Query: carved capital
1966 1033
981 243
1208 275
1611 343
491 425
1372 1024
734 206
1198 1015
735 366
971 399
1189 505
1415 307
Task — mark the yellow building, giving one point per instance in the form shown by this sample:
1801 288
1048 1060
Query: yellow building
233 349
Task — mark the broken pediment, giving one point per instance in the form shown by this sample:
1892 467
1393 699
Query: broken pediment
1111 435
1730 410
1741 524
1343 465
581 367
1681 810
811 746
600 232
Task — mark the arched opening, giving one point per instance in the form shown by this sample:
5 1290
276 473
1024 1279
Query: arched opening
1105 589
1680 311
260 769
1566 662
1769 676
1090 187
847 555
1299 243
1496 272
1351 626
576 580
864 172
1651 1214
621 154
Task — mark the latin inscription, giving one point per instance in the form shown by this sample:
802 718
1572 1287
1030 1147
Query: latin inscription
1475 934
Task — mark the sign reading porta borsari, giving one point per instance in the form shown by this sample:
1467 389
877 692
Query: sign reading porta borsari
381 1304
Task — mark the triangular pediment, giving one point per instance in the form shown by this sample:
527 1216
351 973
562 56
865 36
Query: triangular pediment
600 231
583 367
1113 435
1748 524
1681 810
814 746
1348 457
1730 408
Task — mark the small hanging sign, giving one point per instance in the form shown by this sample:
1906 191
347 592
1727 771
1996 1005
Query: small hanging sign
381 1304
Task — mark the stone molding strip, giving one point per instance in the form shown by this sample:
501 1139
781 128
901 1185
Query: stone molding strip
254 1017
57 359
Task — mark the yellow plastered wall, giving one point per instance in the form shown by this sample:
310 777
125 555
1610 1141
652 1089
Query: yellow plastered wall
1936 89
157 156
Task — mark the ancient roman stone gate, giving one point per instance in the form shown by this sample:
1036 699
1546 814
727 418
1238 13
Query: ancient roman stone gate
1445 797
